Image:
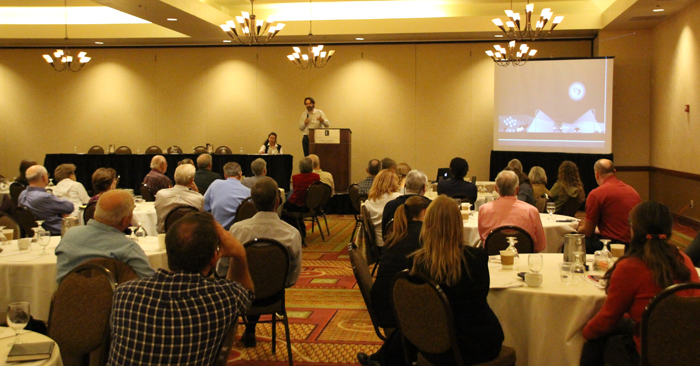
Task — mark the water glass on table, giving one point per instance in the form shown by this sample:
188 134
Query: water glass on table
17 318
551 207
566 273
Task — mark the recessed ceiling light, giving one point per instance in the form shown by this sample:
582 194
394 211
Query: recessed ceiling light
172 19
359 39
657 10
99 42
498 36
227 41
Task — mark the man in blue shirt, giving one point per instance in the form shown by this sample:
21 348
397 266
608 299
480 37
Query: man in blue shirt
103 237
224 196
44 205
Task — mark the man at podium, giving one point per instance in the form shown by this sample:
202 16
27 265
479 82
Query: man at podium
311 118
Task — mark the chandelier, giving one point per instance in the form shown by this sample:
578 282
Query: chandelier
251 31
514 31
64 60
314 56
512 55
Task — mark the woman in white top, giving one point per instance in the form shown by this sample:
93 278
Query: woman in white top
67 187
384 189
270 147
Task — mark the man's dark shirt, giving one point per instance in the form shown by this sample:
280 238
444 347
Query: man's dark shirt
392 205
457 187
203 179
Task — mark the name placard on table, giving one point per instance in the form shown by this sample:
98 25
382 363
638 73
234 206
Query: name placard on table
324 136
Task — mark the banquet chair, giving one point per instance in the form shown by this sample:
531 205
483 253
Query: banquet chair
227 345
245 210
26 220
79 315
15 190
354 195
177 214
200 150
153 150
147 194
123 150
121 271
372 252
315 197
96 150
570 207
462 198
425 319
497 240
541 204
668 334
388 229
223 150
364 281
10 223
268 264
89 212
174 150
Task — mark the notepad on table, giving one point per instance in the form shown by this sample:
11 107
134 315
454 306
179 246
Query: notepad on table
30 351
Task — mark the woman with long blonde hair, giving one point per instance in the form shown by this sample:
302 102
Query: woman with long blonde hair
384 189
568 185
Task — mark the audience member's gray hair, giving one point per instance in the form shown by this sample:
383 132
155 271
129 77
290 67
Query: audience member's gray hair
602 166
110 212
305 165
315 161
184 174
36 172
63 171
203 161
232 169
537 175
264 194
506 182
157 161
415 180
258 166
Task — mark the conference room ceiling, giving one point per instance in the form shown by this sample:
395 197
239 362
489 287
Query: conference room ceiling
41 23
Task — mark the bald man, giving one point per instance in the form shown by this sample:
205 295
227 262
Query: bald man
44 205
156 180
608 208
103 237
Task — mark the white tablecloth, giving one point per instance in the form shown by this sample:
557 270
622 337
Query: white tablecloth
481 198
7 337
27 276
553 230
543 324
145 214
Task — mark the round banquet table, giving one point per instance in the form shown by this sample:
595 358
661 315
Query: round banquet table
543 324
28 276
7 337
553 230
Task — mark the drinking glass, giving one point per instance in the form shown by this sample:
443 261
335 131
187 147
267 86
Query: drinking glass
133 232
3 238
17 318
566 273
534 261
140 233
579 270
40 223
44 240
37 234
138 200
551 207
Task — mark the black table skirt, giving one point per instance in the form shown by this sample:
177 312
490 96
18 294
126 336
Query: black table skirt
132 168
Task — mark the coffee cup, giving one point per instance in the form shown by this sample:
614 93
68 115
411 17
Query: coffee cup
9 233
617 250
533 279
161 241
24 244
507 259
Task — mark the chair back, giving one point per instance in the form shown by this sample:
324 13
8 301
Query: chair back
388 229
26 221
123 150
200 150
463 198
541 204
223 150
496 240
227 345
424 315
10 223
364 281
177 214
354 195
15 190
147 194
174 150
371 248
245 210
570 207
121 271
96 150
668 335
268 264
89 212
80 311
153 150
316 194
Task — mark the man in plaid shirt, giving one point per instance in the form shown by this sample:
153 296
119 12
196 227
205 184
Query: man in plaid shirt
156 179
373 168
181 317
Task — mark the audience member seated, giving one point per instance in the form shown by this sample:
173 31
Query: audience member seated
103 180
608 208
693 251
538 180
401 170
389 163
45 206
180 317
416 181
300 184
67 187
186 161
266 224
373 168
650 265
384 189
156 180
204 177
103 237
224 196
184 193
326 177
259 168
508 210
525 192
457 186
23 166
568 185
271 147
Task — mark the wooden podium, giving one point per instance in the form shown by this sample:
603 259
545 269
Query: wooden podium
334 148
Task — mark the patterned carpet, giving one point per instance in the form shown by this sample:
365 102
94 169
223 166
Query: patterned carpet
329 323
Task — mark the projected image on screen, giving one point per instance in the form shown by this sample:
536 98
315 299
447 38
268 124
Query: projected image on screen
554 105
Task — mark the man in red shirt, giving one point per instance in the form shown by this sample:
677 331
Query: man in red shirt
608 207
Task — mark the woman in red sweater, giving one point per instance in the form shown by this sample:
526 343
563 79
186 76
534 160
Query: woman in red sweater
650 265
